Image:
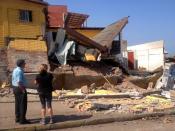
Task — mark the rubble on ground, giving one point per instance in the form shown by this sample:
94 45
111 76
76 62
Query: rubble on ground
4 92
147 104
5 89
123 97
144 81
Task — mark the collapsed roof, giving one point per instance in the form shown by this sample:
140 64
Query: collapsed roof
83 40
101 41
75 20
106 36
58 17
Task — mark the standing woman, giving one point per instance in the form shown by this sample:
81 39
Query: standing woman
44 86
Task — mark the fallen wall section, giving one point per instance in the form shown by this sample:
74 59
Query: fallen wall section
74 77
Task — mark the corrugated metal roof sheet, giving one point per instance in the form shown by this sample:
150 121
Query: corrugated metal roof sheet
56 15
106 36
75 20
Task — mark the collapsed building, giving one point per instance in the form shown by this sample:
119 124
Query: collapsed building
98 42
81 57
68 39
62 39
72 42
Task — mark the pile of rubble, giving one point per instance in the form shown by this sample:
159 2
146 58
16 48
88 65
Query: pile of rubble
5 89
145 79
74 76
122 97
110 101
146 104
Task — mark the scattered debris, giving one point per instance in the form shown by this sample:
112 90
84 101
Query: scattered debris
125 105
87 90
32 91
5 85
5 92
150 86
5 89
144 82
167 120
128 102
89 105
167 80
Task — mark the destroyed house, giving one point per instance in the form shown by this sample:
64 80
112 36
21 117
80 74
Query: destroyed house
59 17
91 42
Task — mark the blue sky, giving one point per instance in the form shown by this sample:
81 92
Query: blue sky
150 20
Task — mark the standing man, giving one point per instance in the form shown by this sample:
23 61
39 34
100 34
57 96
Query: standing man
20 93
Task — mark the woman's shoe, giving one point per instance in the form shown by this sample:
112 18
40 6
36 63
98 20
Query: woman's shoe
43 121
51 121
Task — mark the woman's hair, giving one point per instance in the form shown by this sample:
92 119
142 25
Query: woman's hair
43 67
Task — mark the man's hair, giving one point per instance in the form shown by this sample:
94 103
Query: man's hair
20 62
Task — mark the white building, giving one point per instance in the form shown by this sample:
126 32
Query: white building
148 56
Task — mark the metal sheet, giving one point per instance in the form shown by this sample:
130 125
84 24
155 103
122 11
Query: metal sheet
83 40
106 36
75 20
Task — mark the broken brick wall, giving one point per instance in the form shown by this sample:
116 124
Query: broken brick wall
33 59
69 81
3 65
75 76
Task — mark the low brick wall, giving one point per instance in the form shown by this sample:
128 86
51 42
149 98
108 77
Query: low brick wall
3 65
75 77
33 59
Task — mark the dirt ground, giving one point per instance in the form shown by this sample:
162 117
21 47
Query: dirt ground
61 114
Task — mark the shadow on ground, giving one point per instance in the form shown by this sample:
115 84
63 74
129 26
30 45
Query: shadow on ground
62 118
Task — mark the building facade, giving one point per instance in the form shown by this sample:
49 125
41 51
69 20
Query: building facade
147 56
21 19
22 23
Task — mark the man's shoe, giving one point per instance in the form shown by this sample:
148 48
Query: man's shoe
17 120
25 122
